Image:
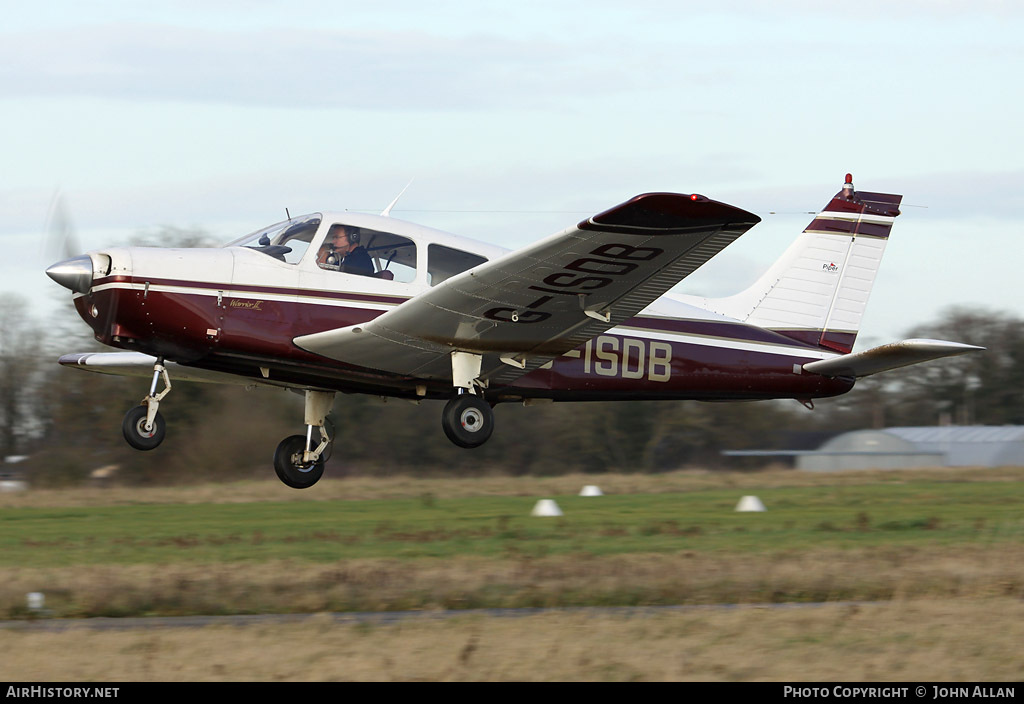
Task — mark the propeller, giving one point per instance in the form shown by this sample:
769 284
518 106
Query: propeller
74 271
61 239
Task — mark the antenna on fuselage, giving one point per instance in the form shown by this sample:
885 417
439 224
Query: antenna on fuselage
387 211
288 214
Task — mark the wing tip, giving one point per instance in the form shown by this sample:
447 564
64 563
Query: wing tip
668 213
75 359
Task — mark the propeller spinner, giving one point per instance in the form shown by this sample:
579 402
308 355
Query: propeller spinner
74 273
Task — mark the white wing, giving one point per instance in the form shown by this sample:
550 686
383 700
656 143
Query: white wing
534 304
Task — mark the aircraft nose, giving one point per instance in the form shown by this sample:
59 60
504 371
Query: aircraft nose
74 273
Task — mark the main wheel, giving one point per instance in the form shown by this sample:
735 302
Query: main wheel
468 420
290 467
134 429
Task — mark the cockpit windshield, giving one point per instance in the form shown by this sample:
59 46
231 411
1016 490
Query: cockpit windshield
286 240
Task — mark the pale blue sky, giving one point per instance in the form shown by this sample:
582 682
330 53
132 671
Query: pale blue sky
530 115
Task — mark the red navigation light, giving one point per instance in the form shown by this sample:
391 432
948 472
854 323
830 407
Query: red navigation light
849 178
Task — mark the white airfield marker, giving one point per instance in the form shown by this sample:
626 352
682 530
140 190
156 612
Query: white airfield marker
546 507
750 503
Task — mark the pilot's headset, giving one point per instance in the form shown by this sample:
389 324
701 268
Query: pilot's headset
333 259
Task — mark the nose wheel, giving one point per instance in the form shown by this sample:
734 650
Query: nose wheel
140 434
468 420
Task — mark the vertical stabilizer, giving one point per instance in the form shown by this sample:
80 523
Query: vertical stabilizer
818 290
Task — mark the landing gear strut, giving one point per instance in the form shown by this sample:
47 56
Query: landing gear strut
143 427
298 463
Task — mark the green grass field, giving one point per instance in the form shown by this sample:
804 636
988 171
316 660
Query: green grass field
921 574
920 513
473 543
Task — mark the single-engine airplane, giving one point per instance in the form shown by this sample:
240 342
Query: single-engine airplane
357 303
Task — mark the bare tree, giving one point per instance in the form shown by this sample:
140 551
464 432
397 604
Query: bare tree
20 343
985 387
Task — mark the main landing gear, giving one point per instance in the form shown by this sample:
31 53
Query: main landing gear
298 463
143 426
467 419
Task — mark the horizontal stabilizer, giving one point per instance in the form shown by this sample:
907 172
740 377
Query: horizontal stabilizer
886 357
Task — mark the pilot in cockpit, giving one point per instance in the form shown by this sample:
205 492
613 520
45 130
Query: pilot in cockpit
341 251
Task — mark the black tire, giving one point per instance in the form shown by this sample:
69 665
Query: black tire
134 429
468 420
289 465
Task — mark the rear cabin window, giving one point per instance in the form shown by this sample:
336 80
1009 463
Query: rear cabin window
445 262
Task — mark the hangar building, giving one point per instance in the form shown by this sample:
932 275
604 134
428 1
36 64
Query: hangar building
906 448
903 448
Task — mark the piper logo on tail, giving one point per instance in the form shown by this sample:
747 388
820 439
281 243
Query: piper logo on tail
829 267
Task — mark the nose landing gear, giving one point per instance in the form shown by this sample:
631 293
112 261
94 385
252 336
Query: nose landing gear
143 427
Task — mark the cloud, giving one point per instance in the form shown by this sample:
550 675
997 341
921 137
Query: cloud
289 68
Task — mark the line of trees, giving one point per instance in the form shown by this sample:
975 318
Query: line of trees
68 422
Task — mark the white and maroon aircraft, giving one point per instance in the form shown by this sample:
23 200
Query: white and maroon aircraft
581 315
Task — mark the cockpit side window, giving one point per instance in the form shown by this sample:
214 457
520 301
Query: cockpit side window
445 262
366 252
